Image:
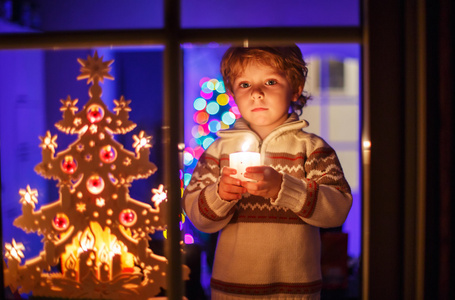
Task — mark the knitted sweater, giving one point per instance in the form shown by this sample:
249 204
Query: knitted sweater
270 249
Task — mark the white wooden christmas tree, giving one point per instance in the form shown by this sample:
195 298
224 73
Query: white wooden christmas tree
95 232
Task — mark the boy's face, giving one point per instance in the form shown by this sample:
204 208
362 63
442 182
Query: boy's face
263 95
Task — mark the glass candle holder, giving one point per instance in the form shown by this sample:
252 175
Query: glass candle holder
242 160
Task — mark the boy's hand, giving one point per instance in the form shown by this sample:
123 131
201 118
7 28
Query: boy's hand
230 188
268 181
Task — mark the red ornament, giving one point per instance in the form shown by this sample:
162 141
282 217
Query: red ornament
95 184
69 165
128 217
61 222
95 113
108 154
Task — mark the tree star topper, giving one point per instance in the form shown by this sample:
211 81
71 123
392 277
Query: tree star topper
94 68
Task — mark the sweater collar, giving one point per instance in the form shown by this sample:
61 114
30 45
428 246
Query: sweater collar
292 123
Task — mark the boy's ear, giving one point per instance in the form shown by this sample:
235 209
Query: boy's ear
298 93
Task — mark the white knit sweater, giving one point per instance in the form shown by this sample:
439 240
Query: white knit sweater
270 249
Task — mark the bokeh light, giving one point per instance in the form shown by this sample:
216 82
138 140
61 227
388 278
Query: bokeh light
207 142
207 87
189 239
206 95
187 158
195 132
235 111
203 80
199 104
186 178
201 117
219 87
198 152
214 110
228 118
203 129
222 99
224 125
193 141
214 126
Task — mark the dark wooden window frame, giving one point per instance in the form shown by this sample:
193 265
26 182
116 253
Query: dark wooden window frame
392 35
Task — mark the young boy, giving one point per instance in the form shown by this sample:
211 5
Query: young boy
269 243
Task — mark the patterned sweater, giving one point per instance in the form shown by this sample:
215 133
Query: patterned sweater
270 249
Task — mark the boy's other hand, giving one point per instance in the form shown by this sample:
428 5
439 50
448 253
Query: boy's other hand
268 181
230 188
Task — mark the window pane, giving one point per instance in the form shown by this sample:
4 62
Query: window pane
333 113
114 179
50 15
333 82
259 13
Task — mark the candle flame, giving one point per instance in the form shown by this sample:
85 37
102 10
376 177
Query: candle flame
70 263
87 240
116 248
104 256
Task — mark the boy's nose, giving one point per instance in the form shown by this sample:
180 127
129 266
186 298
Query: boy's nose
257 94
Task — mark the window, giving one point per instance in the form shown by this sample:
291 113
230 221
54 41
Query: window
333 80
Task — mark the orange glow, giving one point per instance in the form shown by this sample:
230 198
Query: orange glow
105 245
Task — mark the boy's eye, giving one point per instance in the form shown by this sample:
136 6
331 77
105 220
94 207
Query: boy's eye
244 85
270 82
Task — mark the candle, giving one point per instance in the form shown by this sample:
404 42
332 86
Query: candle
104 272
70 266
104 269
87 256
87 261
71 274
242 160
116 265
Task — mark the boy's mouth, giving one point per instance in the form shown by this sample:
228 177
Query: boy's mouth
258 109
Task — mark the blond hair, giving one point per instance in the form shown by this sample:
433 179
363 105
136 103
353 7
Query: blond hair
286 59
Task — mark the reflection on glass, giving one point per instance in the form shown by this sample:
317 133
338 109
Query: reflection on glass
36 88
333 113
50 15
33 96
257 13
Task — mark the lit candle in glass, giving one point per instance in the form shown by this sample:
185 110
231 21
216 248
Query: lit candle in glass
104 267
87 256
87 263
242 160
116 259
70 265
116 265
